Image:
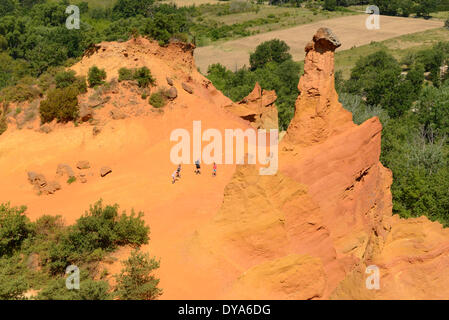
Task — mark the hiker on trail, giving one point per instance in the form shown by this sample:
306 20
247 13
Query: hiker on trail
214 172
173 177
178 171
198 167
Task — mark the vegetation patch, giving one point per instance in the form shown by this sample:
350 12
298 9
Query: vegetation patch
96 76
141 75
157 99
60 104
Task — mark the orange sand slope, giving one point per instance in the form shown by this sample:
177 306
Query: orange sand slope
307 232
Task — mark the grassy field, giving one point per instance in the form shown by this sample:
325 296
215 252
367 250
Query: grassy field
183 3
93 3
290 16
399 47
442 15
244 19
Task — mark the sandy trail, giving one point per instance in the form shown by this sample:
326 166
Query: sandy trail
351 31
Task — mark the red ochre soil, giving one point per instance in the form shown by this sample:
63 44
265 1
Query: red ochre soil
307 232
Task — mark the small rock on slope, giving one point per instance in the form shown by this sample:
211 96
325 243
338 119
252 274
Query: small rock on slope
187 88
104 171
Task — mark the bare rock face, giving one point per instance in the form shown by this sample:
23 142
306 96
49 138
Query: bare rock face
41 185
37 179
104 171
187 88
258 108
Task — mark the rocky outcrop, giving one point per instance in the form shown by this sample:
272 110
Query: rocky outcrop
41 185
318 114
117 114
258 108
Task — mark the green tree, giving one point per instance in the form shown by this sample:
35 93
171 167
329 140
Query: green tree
103 227
378 78
13 280
89 290
281 77
433 109
65 79
96 76
330 5
157 100
131 8
7 7
136 281
425 7
161 28
144 77
60 104
274 50
125 74
416 77
99 230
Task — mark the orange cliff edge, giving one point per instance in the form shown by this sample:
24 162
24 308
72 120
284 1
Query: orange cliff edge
308 232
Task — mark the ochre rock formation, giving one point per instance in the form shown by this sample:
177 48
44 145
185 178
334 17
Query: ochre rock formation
311 230
318 114
258 108
308 232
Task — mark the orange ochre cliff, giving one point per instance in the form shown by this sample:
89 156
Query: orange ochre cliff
315 230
